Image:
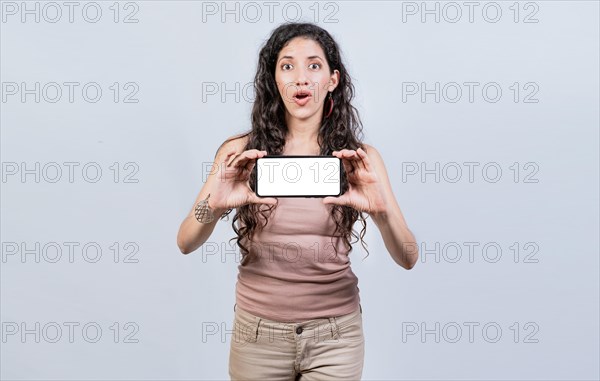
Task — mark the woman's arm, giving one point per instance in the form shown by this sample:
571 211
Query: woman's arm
398 239
193 234
370 191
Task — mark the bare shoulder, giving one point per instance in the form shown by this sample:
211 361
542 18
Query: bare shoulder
233 143
376 160
372 152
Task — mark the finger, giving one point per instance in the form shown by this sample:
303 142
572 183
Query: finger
366 162
250 166
249 155
346 156
347 166
233 155
349 157
337 154
342 151
252 163
358 160
353 156
226 159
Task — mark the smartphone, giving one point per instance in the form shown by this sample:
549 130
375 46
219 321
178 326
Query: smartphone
298 176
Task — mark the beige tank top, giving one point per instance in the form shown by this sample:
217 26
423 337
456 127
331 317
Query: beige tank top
297 275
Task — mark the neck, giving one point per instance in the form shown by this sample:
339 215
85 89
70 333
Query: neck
303 131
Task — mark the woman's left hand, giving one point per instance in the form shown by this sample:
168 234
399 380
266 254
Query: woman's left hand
365 192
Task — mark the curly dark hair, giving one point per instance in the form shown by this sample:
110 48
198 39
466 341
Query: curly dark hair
338 131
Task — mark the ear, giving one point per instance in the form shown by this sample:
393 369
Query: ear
334 80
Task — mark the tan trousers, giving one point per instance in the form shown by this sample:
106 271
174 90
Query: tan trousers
319 349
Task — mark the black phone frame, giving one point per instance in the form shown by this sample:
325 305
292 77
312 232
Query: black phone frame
297 156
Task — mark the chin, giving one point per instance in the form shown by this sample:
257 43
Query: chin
302 114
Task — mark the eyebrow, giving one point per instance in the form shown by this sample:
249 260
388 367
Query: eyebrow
310 58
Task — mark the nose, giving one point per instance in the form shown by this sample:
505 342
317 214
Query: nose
301 80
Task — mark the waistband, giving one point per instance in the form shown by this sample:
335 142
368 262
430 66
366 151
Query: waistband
250 326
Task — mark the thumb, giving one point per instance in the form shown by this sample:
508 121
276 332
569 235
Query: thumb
330 200
268 200
262 200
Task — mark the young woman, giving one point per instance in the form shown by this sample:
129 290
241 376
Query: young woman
297 313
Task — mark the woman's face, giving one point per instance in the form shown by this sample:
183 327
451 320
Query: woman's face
302 68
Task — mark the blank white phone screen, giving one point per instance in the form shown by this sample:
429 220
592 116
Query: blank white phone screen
298 176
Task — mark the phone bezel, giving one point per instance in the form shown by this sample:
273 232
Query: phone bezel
299 156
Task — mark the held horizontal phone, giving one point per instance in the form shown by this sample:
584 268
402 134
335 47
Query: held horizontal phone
298 176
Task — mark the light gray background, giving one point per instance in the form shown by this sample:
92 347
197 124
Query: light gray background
170 134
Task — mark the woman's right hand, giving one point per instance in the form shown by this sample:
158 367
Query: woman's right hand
232 187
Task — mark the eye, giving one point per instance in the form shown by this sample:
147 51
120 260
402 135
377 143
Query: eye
319 65
284 65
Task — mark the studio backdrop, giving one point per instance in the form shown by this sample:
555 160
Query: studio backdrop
486 116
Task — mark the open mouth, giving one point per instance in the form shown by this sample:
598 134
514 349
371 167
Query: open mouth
302 94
